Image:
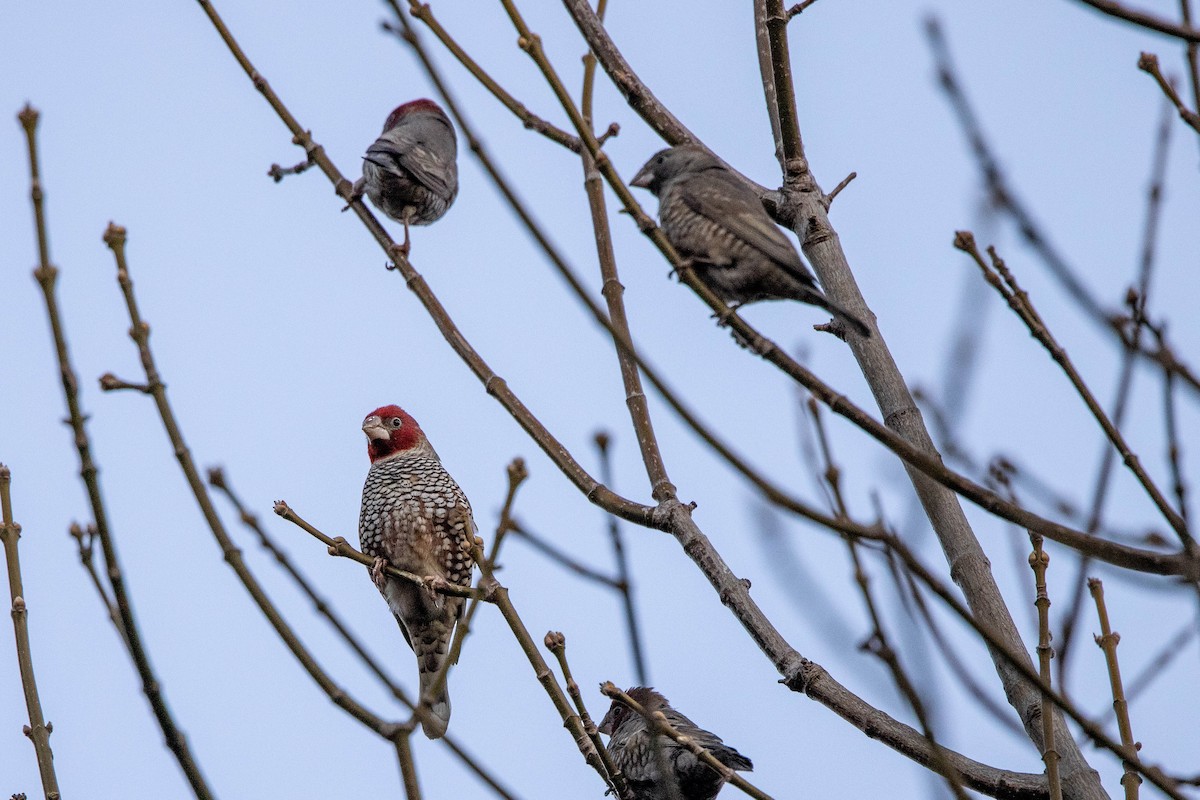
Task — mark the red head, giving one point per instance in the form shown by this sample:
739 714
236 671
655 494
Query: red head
390 430
400 112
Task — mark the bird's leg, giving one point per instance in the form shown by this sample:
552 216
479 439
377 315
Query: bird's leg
404 248
378 577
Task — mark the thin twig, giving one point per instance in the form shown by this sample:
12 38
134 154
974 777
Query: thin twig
661 488
1174 445
799 8
1004 282
1193 53
1024 670
217 479
531 121
799 673
152 685
338 546
85 543
1006 199
517 473
408 767
1000 712
115 237
624 580
556 643
38 730
1157 666
493 383
1148 63
1039 560
658 723
1136 301
562 558
498 594
1107 641
877 643
1144 20
769 489
922 458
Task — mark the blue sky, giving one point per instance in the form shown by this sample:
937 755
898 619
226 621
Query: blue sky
277 329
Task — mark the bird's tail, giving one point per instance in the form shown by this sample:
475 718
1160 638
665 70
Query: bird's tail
853 321
435 727
431 653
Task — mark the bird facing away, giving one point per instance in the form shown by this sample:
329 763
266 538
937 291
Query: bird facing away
717 223
648 773
410 172
416 518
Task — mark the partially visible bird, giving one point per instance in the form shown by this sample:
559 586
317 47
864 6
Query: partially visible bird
416 518
633 751
717 222
410 172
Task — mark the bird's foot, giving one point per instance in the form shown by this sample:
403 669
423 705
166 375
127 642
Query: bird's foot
684 265
397 252
378 576
356 193
722 316
436 585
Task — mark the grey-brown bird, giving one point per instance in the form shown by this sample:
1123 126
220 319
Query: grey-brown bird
717 223
416 518
633 751
410 172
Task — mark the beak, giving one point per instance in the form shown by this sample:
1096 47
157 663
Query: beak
374 428
643 179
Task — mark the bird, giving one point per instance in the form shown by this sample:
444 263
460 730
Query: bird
416 518
633 751
410 172
719 226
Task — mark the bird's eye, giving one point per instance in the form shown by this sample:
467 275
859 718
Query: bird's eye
660 160
396 422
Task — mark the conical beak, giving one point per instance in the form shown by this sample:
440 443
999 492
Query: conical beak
374 428
643 179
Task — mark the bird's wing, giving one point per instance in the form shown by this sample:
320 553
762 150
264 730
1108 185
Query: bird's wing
403 147
639 764
709 741
720 197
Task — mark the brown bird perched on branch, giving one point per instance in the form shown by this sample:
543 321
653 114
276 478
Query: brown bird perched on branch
648 773
416 518
717 223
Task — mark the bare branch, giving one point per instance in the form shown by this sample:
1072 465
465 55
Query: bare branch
556 643
38 730
493 383
1039 560
1107 641
1003 281
1148 63
115 238
1006 199
624 581
1144 20
152 685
